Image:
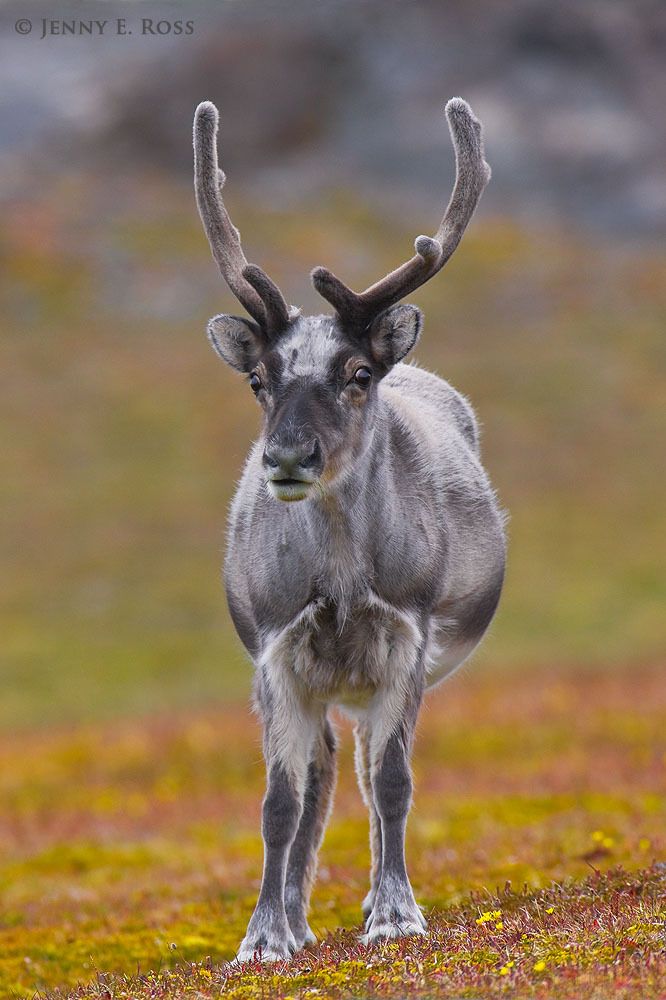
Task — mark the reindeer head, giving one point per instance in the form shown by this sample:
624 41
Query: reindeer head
315 377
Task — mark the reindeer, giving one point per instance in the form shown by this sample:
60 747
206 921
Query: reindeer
365 550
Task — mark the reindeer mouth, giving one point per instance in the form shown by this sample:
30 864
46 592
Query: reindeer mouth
290 490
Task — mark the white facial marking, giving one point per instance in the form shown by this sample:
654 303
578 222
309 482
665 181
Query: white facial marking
308 352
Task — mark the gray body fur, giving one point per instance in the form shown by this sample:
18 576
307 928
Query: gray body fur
324 568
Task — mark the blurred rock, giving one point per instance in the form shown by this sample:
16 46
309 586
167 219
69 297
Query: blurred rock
317 97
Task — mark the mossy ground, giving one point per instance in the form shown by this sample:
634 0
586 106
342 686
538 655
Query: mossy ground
131 854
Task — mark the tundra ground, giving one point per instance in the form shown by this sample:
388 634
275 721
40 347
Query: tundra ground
131 853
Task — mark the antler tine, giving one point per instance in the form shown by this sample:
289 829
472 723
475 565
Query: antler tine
270 295
251 286
432 252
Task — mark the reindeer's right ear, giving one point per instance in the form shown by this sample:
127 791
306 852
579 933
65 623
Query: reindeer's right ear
237 341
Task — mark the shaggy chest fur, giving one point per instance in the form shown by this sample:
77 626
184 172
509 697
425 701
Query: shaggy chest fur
344 660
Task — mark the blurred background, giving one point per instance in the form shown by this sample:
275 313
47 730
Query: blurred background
123 436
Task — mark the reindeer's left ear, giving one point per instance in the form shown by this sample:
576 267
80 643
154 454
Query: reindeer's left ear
394 333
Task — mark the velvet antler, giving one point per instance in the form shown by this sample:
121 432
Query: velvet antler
251 286
432 252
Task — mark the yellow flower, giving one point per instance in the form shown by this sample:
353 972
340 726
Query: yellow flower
499 925
539 966
551 909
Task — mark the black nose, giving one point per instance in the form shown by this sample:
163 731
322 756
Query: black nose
291 461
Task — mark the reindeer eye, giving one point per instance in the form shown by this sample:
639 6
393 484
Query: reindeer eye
363 377
255 383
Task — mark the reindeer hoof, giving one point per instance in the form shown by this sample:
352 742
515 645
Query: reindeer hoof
267 948
300 929
396 924
310 937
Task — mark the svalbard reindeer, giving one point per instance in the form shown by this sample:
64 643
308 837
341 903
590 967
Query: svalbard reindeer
365 552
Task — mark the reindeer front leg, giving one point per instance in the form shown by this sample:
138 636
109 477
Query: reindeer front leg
395 912
302 864
289 733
